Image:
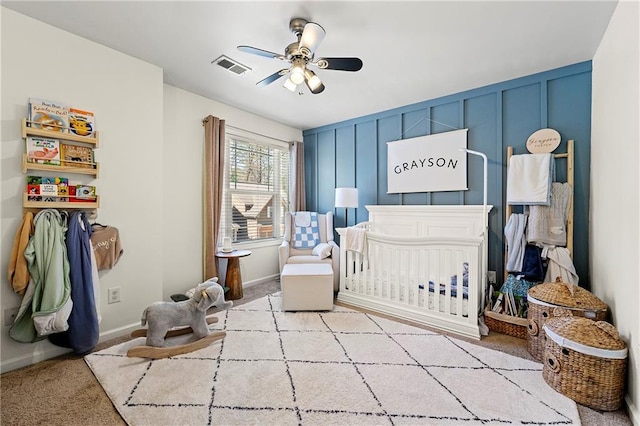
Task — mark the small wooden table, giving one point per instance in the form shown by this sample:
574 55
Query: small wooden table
233 279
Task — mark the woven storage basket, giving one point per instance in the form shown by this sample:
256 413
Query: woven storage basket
543 298
506 324
586 361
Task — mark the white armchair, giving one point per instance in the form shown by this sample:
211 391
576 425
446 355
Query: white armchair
327 251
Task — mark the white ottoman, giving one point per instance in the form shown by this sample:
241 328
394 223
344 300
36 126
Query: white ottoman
307 287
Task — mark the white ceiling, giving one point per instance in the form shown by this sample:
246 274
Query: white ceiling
412 51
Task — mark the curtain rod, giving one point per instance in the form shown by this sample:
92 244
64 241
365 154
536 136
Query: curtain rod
259 134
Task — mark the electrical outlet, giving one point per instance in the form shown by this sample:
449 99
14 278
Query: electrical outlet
491 276
114 295
9 315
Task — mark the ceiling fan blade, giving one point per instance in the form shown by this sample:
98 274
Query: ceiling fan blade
312 36
340 64
273 77
260 52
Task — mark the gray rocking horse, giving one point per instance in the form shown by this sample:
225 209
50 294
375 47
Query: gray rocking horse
168 319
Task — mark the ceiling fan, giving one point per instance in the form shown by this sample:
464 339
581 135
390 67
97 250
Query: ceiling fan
300 54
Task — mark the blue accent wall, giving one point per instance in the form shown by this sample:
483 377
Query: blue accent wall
353 153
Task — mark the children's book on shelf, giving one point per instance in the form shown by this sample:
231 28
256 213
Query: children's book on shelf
81 123
48 115
33 188
77 156
43 150
82 193
45 188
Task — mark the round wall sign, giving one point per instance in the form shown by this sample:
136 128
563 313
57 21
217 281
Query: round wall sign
543 141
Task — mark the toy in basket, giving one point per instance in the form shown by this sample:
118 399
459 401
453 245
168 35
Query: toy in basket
543 298
586 361
507 314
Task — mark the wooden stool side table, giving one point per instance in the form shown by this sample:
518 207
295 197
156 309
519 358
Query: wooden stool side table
233 279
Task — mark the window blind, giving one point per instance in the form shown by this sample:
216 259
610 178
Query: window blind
256 189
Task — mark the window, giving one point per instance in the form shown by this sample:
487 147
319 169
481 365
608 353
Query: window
256 188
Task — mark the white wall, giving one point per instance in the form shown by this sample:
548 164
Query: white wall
126 96
183 152
615 218
150 182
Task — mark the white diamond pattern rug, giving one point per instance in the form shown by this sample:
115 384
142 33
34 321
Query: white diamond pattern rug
340 367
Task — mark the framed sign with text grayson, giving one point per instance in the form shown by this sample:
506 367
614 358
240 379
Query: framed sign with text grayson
428 163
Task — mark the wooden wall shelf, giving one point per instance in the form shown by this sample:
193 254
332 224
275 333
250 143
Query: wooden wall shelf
63 205
32 131
60 169
34 206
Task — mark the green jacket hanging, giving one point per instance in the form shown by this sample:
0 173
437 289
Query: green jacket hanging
47 304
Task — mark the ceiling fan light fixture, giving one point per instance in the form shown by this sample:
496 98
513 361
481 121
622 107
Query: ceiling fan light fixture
319 89
311 37
290 85
297 75
313 81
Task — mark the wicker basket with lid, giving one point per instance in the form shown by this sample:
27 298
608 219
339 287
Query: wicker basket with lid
586 361
543 298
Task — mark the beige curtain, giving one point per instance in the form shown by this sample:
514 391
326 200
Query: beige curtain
214 144
297 195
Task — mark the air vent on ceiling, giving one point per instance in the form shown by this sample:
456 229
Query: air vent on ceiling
231 65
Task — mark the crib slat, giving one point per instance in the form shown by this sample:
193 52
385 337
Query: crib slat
423 281
365 271
450 267
373 267
459 270
356 271
349 271
435 278
402 275
394 276
413 283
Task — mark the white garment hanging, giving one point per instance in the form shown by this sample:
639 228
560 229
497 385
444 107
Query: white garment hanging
303 219
560 265
355 239
516 242
529 179
547 224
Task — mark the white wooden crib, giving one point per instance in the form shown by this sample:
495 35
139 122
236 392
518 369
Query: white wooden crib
412 251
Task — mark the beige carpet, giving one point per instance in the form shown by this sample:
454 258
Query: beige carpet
64 391
319 368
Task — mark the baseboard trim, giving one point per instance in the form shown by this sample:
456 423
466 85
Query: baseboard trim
632 410
260 280
52 351
118 332
35 357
